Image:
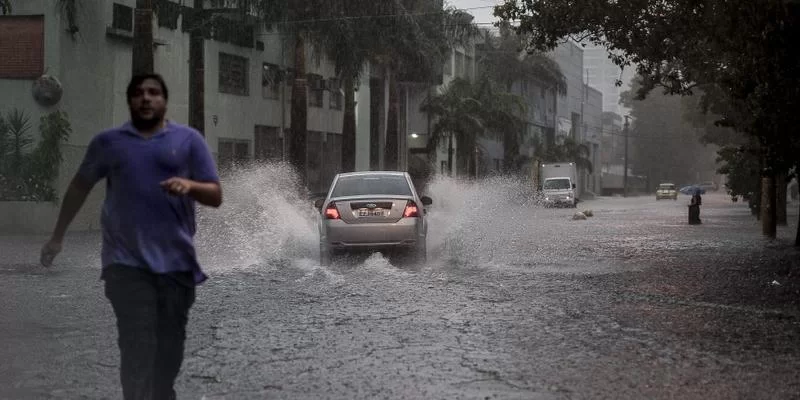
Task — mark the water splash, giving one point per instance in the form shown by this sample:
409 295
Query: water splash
268 220
265 218
469 221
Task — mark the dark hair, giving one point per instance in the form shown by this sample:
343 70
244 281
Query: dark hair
138 79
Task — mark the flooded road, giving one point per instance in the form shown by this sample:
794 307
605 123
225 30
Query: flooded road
516 302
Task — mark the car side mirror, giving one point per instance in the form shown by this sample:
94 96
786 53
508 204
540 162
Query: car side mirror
574 186
426 201
318 203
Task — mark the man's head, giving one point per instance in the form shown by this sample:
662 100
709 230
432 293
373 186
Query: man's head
147 100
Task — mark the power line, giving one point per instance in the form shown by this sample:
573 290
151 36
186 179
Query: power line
345 18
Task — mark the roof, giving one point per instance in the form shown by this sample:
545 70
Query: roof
368 173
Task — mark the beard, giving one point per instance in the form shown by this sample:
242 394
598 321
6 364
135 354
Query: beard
146 124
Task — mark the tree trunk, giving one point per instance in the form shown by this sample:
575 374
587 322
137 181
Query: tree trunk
197 115
797 236
768 225
450 155
142 58
392 125
780 199
349 126
299 111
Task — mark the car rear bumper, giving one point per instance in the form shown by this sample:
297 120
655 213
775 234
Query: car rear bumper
403 233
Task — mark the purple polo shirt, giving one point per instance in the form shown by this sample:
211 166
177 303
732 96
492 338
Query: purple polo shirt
143 225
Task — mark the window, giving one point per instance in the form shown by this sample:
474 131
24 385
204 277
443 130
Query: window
231 152
336 100
270 74
122 18
268 146
371 185
21 47
233 74
316 90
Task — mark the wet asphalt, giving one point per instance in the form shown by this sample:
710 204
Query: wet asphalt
516 302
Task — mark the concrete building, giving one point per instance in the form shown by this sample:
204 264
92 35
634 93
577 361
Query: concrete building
246 110
592 136
569 57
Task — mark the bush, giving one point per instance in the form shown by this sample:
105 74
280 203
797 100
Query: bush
29 174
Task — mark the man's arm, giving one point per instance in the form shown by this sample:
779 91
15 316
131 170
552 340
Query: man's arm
205 186
74 198
206 193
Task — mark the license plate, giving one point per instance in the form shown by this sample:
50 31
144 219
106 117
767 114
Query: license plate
370 213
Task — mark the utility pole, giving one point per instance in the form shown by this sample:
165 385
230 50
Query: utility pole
143 38
625 167
197 116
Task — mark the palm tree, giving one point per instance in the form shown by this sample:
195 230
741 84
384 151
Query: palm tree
417 46
469 111
566 149
457 111
504 60
349 38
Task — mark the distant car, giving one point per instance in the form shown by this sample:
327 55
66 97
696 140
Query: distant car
666 191
373 211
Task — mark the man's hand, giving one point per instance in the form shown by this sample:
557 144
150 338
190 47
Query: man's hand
207 193
49 252
178 185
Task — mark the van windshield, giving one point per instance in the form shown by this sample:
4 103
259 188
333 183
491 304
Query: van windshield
557 184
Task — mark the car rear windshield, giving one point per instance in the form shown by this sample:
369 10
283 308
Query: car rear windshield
556 184
666 187
371 185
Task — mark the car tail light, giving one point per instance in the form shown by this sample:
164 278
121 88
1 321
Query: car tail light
411 210
331 212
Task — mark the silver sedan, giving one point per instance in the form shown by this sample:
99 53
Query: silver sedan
373 211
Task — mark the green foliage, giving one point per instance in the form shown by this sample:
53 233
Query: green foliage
565 149
505 60
5 7
29 174
741 166
469 111
664 141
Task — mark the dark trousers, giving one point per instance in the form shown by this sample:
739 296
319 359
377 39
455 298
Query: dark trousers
152 311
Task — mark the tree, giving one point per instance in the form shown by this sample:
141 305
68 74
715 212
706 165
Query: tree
565 149
466 112
504 60
745 49
665 143
457 112
419 40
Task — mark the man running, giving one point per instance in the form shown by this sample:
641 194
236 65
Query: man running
155 171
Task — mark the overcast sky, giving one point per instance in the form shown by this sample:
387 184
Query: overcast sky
481 9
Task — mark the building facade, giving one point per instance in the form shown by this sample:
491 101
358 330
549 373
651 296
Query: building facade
246 108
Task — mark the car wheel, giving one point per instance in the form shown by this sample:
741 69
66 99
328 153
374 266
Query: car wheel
421 253
325 256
